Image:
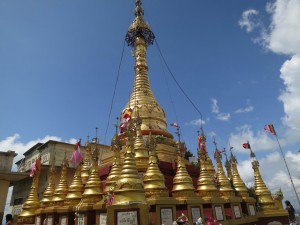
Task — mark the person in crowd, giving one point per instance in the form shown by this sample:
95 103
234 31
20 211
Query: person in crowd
9 219
291 211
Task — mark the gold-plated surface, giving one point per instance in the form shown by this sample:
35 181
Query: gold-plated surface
115 171
48 193
154 180
141 152
62 188
93 188
237 181
222 181
75 189
85 170
182 182
206 186
263 194
152 115
31 204
129 187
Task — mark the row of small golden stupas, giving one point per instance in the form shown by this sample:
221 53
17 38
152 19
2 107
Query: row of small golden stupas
126 185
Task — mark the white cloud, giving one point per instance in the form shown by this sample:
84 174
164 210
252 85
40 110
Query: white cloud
214 105
223 116
197 122
215 109
284 31
248 20
245 110
259 141
12 143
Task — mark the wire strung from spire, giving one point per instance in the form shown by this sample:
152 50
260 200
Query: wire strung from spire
114 92
195 107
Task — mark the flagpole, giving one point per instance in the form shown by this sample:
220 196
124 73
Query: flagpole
287 168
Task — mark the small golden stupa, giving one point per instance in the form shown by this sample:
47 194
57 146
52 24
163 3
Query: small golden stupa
154 181
93 192
75 189
182 182
223 182
116 167
32 203
262 193
129 188
206 185
49 192
61 190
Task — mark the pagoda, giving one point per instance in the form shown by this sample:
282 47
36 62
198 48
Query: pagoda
146 178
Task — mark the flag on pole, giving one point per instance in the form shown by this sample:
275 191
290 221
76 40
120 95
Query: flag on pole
270 129
125 119
36 166
201 142
174 125
77 155
246 145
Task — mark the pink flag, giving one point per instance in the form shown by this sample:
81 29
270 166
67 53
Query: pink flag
174 125
76 155
270 129
36 166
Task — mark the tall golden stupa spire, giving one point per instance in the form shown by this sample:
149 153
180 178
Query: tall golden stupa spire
153 117
262 193
49 192
228 166
61 190
129 187
154 180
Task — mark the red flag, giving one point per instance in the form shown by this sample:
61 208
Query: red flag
174 125
36 166
270 129
124 122
201 142
246 145
76 155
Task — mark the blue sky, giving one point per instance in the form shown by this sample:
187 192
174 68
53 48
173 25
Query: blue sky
239 62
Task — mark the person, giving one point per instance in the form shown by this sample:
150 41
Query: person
9 219
291 211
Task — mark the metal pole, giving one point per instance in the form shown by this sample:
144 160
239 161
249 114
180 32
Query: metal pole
287 168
